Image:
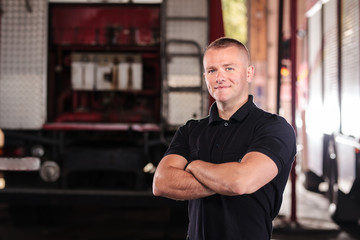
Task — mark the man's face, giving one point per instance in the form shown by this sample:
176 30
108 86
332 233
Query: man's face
227 74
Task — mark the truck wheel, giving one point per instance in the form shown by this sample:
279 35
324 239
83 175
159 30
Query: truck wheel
312 181
344 209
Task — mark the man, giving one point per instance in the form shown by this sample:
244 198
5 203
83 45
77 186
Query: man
234 164
2 138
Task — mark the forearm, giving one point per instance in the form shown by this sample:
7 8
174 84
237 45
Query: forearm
179 185
235 178
221 178
171 181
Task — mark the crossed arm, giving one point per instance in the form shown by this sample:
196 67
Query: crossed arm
202 179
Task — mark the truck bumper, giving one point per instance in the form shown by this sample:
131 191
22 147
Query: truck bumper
19 164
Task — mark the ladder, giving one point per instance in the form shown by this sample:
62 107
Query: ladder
185 37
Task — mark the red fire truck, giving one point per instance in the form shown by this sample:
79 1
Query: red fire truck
92 91
331 156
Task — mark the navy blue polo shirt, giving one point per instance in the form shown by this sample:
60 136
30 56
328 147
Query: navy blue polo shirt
215 140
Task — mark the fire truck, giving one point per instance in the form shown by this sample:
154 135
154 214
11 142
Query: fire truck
91 92
331 133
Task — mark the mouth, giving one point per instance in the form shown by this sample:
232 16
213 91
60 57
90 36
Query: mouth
221 87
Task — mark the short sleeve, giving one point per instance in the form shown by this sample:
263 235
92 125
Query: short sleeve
275 138
180 142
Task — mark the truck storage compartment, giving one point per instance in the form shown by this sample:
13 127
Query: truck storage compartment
104 63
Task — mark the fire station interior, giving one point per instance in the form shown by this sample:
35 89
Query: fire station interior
92 92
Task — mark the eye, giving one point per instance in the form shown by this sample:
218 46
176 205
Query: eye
211 71
229 68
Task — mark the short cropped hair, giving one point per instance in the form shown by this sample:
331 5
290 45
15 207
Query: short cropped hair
225 42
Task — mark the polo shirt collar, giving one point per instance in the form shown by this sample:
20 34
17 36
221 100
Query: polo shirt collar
239 115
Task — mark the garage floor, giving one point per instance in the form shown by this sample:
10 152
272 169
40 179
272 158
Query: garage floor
313 219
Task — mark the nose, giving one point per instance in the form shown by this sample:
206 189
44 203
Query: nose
219 77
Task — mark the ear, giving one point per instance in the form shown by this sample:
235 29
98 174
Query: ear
250 73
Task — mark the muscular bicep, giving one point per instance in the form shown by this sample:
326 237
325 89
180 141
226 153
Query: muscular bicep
257 170
172 161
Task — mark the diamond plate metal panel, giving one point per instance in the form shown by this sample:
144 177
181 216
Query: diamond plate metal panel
184 106
23 64
187 30
188 8
184 72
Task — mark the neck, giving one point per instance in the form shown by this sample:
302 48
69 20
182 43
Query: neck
226 110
